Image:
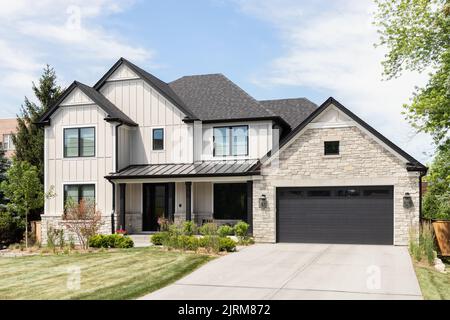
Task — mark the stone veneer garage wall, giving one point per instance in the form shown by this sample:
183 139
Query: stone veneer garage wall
362 161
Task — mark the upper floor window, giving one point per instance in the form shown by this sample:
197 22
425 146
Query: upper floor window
230 141
158 139
7 142
79 142
331 148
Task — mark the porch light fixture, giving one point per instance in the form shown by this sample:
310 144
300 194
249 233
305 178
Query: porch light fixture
407 201
263 202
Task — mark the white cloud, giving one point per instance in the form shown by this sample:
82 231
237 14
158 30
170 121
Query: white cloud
33 33
329 46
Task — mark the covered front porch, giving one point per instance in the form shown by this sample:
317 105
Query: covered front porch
214 191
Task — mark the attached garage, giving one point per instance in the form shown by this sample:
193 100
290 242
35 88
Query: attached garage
347 214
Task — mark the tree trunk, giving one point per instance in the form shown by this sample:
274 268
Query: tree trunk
26 228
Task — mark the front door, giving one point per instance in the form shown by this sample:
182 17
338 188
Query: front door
155 197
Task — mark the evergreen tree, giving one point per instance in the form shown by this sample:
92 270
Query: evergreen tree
29 139
4 165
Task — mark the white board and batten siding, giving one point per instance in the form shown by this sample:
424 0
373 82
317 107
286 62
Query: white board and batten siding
77 110
259 140
147 107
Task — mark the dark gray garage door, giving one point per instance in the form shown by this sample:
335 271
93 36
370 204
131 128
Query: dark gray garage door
357 215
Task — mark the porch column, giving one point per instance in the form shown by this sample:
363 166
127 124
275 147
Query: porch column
250 206
171 201
122 192
188 200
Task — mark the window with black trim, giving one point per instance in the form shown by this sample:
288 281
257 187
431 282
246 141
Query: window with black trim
158 139
79 142
331 148
230 201
77 192
230 141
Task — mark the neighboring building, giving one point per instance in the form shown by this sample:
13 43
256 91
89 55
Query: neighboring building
201 148
7 128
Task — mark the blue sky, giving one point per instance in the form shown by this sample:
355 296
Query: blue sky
271 48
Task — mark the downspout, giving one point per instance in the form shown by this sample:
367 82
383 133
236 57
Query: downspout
117 146
421 175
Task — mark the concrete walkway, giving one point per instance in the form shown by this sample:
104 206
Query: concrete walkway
301 271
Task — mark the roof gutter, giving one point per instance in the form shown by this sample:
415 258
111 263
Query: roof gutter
45 123
111 119
417 167
241 174
278 119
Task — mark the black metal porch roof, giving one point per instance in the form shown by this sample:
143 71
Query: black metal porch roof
197 169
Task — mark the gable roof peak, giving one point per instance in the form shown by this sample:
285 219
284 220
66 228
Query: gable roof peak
113 113
412 163
162 87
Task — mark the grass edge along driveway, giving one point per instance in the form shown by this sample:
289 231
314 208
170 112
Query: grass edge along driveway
433 284
120 274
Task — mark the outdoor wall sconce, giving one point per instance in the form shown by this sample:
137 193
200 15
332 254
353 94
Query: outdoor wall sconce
407 201
263 202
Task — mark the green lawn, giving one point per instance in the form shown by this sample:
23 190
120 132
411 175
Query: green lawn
123 274
434 285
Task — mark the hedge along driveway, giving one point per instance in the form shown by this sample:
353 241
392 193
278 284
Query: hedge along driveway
120 274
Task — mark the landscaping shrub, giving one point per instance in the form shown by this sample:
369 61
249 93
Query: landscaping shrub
208 229
189 228
225 230
98 241
227 244
11 228
125 243
55 237
82 219
175 229
188 242
110 241
210 243
427 242
423 247
241 230
158 238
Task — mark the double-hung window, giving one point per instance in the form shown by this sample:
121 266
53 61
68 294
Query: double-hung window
230 141
79 142
77 192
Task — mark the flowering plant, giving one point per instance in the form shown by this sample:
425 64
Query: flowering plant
121 231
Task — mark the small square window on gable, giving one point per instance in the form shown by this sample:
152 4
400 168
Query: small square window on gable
158 139
331 148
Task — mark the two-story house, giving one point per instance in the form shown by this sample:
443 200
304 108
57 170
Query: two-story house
200 148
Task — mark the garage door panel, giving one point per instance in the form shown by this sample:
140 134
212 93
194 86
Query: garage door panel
335 218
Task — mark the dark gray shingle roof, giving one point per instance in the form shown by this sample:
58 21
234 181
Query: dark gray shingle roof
204 168
215 97
293 111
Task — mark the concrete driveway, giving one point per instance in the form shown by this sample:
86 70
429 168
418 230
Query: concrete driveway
301 271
